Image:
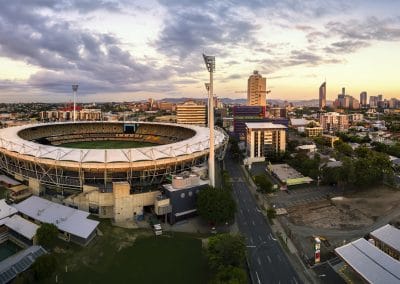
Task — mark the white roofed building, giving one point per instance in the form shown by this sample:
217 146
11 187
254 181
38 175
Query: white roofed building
72 223
387 238
263 139
369 262
6 210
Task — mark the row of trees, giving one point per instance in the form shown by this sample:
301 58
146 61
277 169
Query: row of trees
393 150
305 165
263 183
346 137
226 255
366 168
216 205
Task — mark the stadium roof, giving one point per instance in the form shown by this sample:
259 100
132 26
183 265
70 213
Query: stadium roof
369 262
10 140
388 235
66 219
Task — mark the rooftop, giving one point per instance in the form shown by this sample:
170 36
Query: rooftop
371 263
6 210
8 180
66 219
388 235
299 121
265 125
21 226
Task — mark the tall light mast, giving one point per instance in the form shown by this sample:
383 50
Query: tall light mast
210 65
75 89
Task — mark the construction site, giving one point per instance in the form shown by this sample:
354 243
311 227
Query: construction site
339 219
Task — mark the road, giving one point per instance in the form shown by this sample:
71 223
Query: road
267 261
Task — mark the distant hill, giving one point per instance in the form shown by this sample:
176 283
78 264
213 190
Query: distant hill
309 103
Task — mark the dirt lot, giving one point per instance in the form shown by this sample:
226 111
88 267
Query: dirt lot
355 210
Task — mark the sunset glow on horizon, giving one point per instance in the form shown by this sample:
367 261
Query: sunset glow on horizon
121 50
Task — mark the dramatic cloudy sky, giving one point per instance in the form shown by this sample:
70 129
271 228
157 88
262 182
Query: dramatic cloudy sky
129 50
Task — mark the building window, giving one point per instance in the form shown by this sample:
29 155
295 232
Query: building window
190 193
182 195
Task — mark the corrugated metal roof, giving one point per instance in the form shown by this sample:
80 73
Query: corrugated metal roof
66 219
371 263
388 235
22 226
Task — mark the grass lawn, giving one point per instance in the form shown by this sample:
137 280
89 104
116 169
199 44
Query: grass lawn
133 256
105 144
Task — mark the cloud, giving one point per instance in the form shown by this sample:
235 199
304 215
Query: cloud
193 31
68 53
372 28
347 46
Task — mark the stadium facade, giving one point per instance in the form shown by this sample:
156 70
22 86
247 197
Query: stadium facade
34 153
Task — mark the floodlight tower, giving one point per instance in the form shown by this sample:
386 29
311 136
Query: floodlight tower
210 64
75 89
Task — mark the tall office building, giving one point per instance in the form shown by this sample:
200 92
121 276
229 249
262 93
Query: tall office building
363 99
256 90
373 101
191 113
322 96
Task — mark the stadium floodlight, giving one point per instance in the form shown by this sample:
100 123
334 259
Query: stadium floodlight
75 89
210 65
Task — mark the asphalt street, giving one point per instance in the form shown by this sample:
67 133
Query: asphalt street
267 261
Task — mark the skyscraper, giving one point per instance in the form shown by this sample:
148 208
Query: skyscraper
363 99
322 96
256 90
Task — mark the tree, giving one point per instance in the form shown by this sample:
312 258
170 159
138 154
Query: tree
44 266
216 206
271 213
263 183
230 275
226 250
343 148
47 235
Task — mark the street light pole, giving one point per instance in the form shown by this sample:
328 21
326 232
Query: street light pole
210 64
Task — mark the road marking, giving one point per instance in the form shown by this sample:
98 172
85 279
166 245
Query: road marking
253 223
259 261
260 238
269 259
279 257
294 280
251 240
272 238
241 211
258 278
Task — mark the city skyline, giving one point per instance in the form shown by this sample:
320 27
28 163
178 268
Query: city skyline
119 50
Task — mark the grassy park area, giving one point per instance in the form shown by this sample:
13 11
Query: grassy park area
106 144
132 256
